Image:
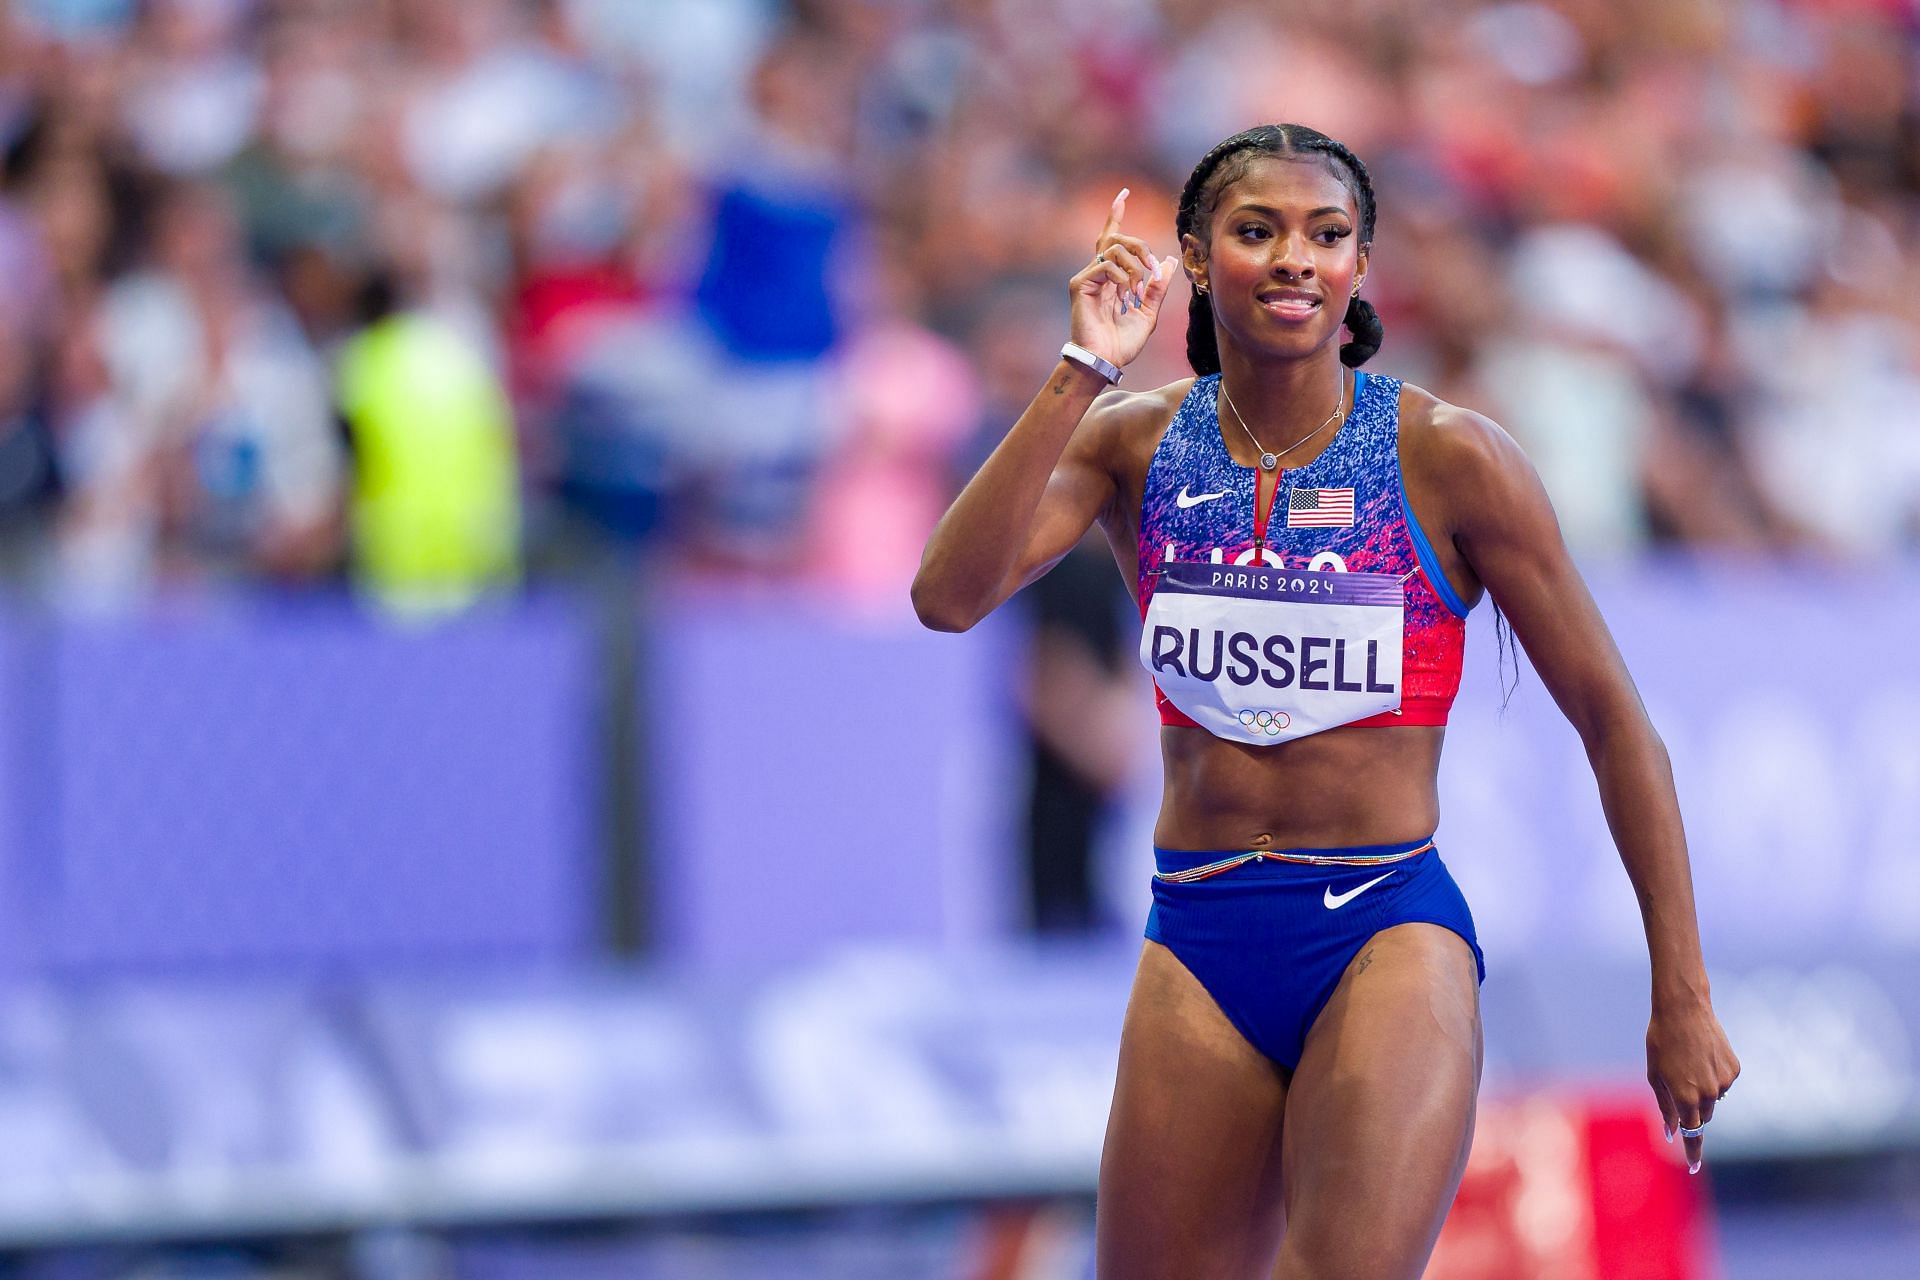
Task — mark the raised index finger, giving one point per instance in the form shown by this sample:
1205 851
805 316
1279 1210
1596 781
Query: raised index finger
1113 216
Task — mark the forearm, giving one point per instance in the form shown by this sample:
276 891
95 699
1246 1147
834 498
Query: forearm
1643 813
978 542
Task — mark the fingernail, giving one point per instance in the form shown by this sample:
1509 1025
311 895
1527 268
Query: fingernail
1125 192
1669 1129
1693 1166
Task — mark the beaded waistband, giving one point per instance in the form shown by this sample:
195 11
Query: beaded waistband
1308 857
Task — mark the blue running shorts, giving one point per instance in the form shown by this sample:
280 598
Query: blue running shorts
1270 932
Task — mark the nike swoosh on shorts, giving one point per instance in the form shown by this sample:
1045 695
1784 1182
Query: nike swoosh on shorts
1336 900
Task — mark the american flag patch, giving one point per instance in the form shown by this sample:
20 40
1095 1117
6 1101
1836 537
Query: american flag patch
1319 508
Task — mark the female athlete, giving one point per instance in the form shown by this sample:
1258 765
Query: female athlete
1302 1049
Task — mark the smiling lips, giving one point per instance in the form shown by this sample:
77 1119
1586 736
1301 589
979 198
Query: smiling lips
1290 304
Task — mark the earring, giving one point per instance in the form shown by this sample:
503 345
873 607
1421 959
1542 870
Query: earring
1199 288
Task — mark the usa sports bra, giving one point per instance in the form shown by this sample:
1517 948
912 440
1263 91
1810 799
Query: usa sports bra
1288 647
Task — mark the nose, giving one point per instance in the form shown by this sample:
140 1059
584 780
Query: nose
1292 257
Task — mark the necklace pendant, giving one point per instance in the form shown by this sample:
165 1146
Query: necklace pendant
1269 461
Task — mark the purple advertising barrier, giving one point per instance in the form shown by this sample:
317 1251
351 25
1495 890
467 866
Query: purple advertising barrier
821 778
296 782
22 811
1787 700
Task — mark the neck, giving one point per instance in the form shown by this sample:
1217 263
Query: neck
1282 400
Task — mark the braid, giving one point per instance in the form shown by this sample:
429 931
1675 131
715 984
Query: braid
1364 323
1203 348
1196 207
1213 175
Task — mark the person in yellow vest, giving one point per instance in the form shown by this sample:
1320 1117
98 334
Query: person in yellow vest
435 511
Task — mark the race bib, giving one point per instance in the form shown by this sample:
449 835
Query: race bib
1264 655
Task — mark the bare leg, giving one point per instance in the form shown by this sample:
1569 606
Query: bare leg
1380 1112
1190 1177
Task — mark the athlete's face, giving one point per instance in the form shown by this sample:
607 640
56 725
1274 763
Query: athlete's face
1282 256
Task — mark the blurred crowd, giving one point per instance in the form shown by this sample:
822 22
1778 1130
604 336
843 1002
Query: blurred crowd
434 294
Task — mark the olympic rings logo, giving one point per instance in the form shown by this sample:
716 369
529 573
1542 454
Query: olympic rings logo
1267 722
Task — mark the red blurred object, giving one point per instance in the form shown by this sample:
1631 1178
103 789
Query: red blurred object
1575 1187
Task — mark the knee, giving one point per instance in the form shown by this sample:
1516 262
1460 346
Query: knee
1358 1258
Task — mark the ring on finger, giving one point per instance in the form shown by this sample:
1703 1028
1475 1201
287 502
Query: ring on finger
1693 1133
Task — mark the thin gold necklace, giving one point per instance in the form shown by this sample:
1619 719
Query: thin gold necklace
1268 461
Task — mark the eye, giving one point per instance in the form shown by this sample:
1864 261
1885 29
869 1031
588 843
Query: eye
1251 231
1332 234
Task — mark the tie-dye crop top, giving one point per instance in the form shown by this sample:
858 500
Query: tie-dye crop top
1346 510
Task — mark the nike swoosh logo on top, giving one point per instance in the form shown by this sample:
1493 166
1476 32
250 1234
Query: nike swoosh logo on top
1183 499
1342 899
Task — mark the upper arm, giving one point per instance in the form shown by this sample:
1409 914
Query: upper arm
1084 487
1504 526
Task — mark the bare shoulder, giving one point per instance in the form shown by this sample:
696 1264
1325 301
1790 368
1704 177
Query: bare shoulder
1126 426
1124 412
1468 473
1449 444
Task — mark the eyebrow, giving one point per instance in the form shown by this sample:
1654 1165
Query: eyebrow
1272 212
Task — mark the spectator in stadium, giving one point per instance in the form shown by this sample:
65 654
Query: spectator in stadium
524 163
436 491
215 451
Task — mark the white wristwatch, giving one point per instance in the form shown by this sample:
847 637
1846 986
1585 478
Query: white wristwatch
1081 356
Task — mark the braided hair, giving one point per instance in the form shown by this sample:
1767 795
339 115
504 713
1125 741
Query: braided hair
1225 165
